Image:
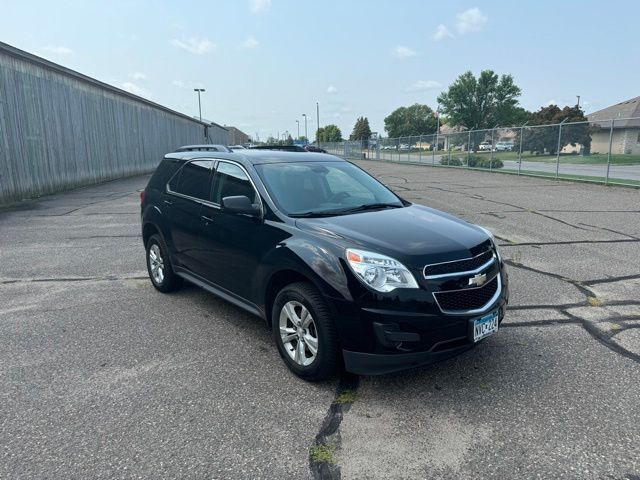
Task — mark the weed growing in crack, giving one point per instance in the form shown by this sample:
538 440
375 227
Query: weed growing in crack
594 302
322 453
347 396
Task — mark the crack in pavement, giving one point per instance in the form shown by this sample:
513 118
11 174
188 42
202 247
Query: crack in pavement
589 326
328 438
611 279
568 242
109 278
609 230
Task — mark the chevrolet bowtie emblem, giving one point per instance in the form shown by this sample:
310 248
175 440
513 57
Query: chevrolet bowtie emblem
478 280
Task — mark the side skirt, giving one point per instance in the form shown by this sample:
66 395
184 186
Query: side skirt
219 291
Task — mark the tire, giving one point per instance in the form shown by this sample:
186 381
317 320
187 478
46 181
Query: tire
159 267
318 332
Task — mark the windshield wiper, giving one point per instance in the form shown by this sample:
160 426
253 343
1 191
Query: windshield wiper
329 213
344 211
370 206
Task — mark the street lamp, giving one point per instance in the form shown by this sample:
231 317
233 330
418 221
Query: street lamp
305 126
298 125
199 90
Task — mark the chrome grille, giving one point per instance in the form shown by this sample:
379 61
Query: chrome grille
459 267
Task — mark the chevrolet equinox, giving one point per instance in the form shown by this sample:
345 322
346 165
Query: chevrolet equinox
344 271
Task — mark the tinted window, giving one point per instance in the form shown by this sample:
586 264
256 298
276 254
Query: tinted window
231 181
194 179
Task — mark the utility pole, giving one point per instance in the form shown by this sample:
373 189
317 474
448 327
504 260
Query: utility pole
199 90
578 104
305 127
318 125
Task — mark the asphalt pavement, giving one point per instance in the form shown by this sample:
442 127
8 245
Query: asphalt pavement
103 377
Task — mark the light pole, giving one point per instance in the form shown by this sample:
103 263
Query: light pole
305 127
298 125
199 104
318 125
578 105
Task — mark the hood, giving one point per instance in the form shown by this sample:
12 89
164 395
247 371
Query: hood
415 235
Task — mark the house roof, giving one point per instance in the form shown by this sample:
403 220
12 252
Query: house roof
623 111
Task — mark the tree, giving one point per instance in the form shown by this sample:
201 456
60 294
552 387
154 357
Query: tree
482 102
361 130
303 139
329 133
541 139
289 140
410 121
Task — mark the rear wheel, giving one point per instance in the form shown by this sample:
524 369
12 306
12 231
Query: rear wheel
304 332
159 267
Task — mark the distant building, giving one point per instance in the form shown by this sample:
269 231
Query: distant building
626 128
236 136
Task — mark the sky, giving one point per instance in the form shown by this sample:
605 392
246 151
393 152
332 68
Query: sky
263 63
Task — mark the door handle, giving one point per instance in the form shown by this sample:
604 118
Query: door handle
206 219
168 202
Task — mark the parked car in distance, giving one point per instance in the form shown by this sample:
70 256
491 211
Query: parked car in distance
485 146
504 146
344 271
314 149
233 148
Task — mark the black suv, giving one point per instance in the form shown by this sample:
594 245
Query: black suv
342 269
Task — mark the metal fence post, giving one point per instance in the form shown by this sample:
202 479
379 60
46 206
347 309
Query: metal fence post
449 150
492 144
606 179
469 149
420 149
433 151
520 152
558 149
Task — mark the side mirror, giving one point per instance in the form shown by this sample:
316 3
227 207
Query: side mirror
240 204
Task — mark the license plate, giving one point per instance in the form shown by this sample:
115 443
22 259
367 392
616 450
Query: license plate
485 326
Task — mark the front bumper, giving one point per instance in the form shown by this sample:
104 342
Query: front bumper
397 334
378 364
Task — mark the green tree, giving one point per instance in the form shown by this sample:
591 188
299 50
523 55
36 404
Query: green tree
289 140
361 130
303 139
482 102
329 133
410 121
541 140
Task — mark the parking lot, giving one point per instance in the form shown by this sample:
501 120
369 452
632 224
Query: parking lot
101 376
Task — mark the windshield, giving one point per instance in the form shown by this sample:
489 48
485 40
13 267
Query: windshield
317 188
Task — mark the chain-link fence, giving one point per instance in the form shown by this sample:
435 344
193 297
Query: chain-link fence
604 151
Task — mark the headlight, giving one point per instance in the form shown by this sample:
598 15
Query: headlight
493 241
379 272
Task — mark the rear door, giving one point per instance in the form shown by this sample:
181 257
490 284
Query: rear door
187 190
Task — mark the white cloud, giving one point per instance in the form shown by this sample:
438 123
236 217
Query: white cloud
138 76
179 84
59 50
404 52
442 32
471 20
196 45
135 89
331 89
422 85
259 6
250 43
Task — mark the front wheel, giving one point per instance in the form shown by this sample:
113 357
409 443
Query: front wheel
304 332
